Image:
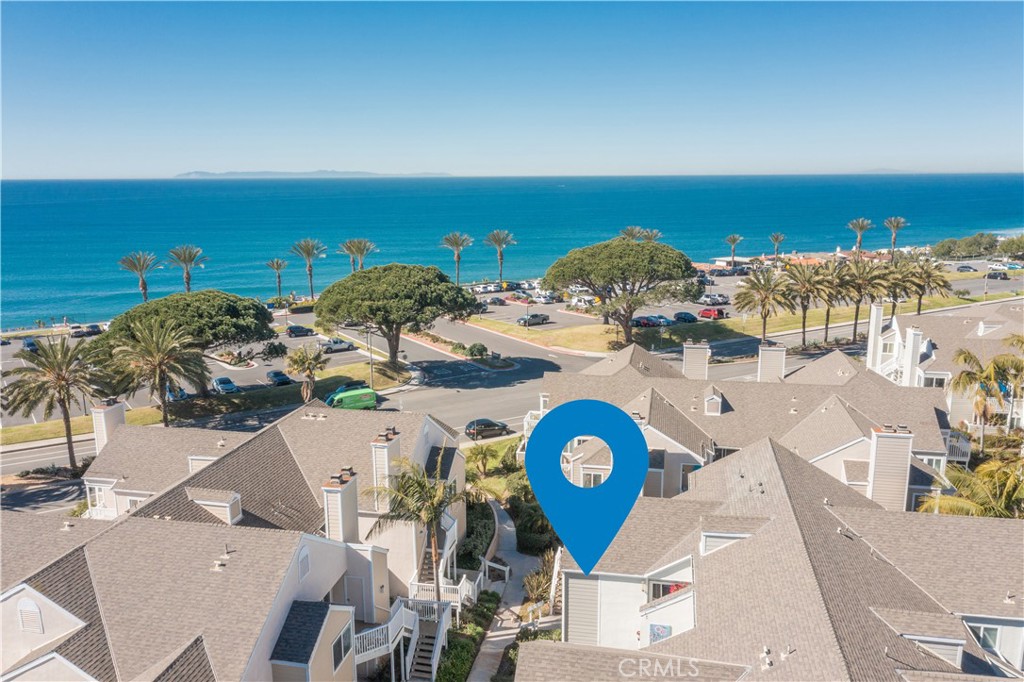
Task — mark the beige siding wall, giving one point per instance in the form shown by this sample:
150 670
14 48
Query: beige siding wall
890 470
17 644
321 665
458 474
833 464
403 551
654 486
288 673
947 652
53 669
582 608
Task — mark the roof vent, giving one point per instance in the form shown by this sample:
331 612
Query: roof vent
221 443
792 410
321 416
218 566
1009 598
67 526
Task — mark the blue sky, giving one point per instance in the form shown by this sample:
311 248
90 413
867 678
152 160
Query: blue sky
130 90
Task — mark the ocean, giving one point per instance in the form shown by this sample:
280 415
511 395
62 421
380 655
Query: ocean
61 240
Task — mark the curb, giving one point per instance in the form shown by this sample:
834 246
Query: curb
566 351
45 443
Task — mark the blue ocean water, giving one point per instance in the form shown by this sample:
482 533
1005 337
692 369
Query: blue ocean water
61 239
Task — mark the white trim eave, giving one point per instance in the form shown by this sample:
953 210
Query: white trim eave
46 658
837 449
666 567
39 596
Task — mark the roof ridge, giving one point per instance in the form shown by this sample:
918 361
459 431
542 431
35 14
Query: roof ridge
99 607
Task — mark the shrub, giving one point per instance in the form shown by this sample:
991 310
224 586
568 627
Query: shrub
79 509
962 293
459 347
477 350
457 659
533 543
479 532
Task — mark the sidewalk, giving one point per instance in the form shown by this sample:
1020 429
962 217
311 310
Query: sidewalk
504 627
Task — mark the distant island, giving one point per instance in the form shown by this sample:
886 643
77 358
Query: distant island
241 175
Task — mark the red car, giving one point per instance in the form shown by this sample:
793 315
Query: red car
713 314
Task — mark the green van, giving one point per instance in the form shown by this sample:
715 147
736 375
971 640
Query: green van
358 399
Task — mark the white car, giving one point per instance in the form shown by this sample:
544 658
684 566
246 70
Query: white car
713 299
331 345
998 266
544 298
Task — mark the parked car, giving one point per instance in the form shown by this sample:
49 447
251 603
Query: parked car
480 307
1014 266
661 320
485 428
642 321
176 394
353 399
997 266
685 317
544 298
532 319
705 280
298 330
278 378
713 314
93 330
496 300
5 342
30 345
583 301
331 345
78 331
719 272
713 299
996 275
224 385
966 268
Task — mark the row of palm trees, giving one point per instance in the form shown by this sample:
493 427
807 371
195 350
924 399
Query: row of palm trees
141 263
831 284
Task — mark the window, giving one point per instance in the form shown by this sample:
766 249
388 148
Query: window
987 635
134 502
95 494
887 348
29 617
342 646
934 382
592 480
937 463
660 589
303 562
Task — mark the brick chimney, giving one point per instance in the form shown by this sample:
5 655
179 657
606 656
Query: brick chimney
695 359
889 468
341 507
771 363
385 449
106 417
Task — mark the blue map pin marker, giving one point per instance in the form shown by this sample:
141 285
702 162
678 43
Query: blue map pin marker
586 519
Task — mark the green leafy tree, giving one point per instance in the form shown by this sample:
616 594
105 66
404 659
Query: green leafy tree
766 294
457 242
415 496
894 225
140 264
926 279
859 227
158 354
1012 247
627 275
732 240
309 250
864 281
277 265
500 240
357 251
776 238
994 488
187 257
55 377
833 289
390 297
306 361
806 284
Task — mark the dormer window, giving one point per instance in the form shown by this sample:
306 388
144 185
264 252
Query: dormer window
29 617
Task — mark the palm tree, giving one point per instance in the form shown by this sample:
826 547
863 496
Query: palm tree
187 257
417 497
500 240
307 361
805 284
357 250
309 250
994 488
777 238
478 457
650 235
633 233
140 263
766 294
160 355
859 226
732 240
864 281
54 377
894 225
926 279
898 281
833 289
457 241
277 265
980 381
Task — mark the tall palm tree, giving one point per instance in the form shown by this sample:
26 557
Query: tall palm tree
55 377
894 225
187 257
500 240
140 264
776 238
898 279
650 235
309 250
420 498
732 240
865 281
926 279
307 361
833 289
981 381
633 233
277 265
357 250
859 227
161 354
805 284
457 241
994 488
766 294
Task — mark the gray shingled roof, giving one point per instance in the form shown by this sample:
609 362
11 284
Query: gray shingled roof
301 631
31 541
191 665
636 361
830 426
944 625
832 369
546 661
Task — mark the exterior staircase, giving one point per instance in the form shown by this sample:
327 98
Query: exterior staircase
421 669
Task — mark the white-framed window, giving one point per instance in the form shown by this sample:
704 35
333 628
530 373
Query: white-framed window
934 382
592 479
987 635
888 348
659 589
937 463
29 617
303 562
95 494
342 646
134 503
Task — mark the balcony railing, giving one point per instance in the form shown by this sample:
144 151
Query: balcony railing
403 620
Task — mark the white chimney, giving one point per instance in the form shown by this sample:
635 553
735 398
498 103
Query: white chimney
695 359
105 418
385 449
341 507
911 357
771 363
875 336
889 468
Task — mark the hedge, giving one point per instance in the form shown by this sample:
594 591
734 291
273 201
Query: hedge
479 532
464 642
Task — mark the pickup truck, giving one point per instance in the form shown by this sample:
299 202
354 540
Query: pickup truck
532 319
331 345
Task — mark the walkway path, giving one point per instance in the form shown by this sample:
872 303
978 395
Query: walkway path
504 627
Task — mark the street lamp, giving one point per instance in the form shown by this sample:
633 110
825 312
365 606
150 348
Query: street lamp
369 347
